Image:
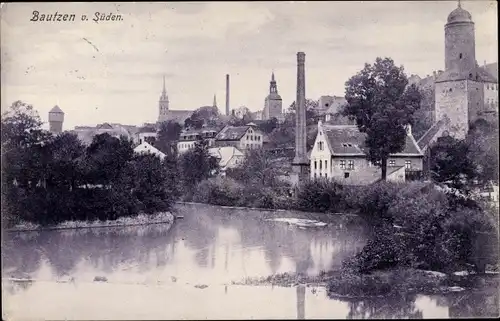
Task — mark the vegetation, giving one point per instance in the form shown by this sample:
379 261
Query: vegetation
382 103
49 179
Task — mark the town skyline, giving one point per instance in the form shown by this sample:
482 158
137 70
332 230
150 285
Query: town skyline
112 71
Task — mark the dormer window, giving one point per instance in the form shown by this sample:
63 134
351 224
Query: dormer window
460 56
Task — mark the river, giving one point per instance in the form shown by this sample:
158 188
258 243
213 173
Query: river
186 272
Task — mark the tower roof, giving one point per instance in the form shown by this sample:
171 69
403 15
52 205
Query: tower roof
56 109
459 15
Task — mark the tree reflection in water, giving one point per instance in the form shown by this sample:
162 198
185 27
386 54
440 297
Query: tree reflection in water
475 304
395 307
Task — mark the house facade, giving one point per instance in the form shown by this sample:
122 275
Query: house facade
146 148
339 153
228 156
240 137
189 137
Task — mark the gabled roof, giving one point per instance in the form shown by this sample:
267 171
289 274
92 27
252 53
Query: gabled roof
56 109
146 148
424 141
104 126
232 133
348 140
225 154
178 116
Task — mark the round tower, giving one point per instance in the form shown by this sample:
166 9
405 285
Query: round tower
460 49
56 119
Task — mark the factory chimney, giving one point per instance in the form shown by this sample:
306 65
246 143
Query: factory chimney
227 94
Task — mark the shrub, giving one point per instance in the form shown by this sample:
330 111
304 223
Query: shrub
320 196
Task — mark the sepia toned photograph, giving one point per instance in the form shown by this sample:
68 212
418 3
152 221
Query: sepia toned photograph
249 160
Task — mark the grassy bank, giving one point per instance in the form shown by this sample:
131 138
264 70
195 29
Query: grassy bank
141 219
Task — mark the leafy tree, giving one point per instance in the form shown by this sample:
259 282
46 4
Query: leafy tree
451 162
380 101
105 157
258 168
168 136
208 116
311 112
483 146
197 164
269 125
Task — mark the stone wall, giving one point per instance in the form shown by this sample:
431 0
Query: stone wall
452 101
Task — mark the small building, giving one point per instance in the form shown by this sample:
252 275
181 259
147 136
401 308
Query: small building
189 137
146 148
145 134
241 137
228 156
339 153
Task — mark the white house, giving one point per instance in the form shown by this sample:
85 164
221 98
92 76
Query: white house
339 153
241 137
146 148
228 156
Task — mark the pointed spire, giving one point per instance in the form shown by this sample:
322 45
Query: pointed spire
215 101
164 88
459 4
272 76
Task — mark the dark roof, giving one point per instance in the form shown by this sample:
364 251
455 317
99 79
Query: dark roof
178 116
431 132
347 139
232 133
56 109
146 130
104 126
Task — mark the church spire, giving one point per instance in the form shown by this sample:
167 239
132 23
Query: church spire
164 92
215 101
273 88
459 4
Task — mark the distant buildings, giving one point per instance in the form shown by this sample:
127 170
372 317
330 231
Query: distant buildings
241 137
165 113
189 137
146 148
87 133
228 156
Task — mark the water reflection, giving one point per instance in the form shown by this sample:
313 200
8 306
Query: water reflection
210 246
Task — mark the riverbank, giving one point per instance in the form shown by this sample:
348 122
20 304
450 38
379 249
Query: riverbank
138 220
380 283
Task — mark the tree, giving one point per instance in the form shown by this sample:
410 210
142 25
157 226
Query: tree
382 104
451 162
311 112
168 136
483 146
269 125
258 168
207 115
197 164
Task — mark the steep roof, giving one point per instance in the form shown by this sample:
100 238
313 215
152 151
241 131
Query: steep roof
56 109
232 133
348 140
178 116
225 154
424 141
146 148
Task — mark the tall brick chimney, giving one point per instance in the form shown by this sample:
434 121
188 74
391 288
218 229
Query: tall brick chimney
227 94
300 162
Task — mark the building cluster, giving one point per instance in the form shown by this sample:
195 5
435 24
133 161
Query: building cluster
455 98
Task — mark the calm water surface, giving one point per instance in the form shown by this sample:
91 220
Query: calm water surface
187 272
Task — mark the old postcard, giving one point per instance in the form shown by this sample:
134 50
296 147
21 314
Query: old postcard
249 160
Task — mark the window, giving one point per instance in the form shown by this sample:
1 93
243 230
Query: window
346 175
392 162
320 175
320 145
326 175
248 137
408 164
320 165
315 165
351 164
460 56
326 164
342 164
450 89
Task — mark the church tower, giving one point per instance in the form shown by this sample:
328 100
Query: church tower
273 103
459 89
163 104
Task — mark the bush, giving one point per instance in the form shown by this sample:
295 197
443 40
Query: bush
320 196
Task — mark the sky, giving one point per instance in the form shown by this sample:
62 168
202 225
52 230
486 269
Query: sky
111 71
